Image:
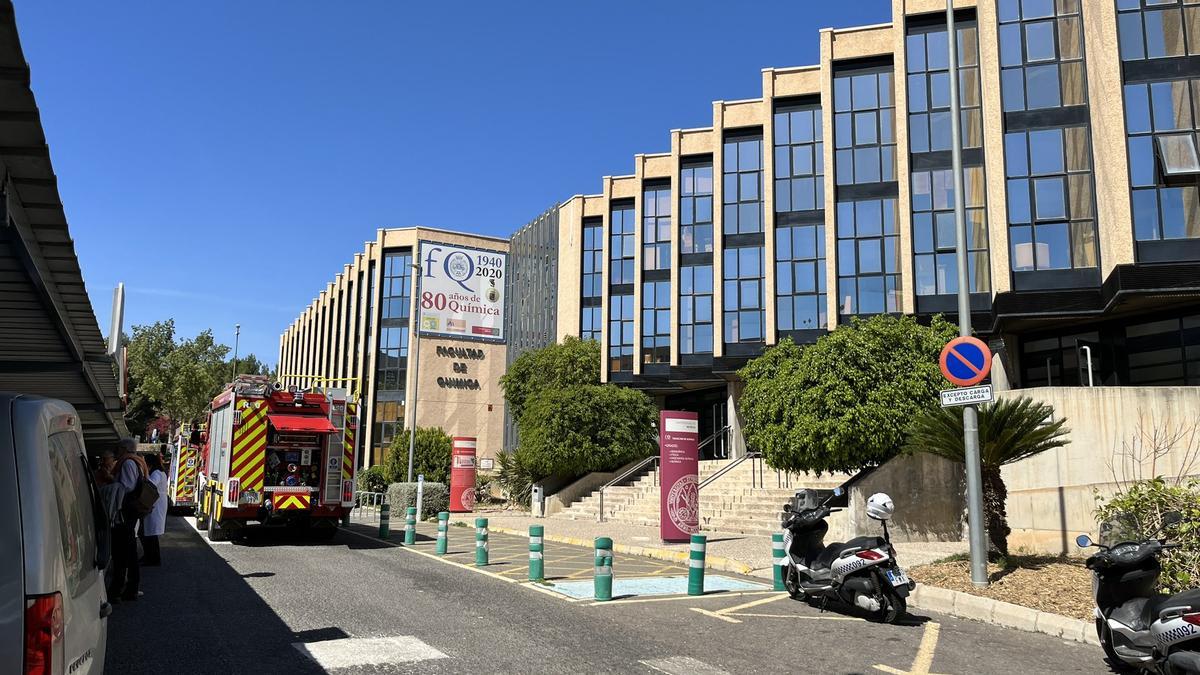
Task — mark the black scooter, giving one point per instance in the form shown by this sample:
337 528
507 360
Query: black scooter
1137 627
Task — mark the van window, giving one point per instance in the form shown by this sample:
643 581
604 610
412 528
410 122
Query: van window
75 521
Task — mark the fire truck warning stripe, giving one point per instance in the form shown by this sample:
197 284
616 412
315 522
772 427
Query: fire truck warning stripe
254 479
248 454
248 432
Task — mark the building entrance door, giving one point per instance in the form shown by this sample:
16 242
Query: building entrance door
710 406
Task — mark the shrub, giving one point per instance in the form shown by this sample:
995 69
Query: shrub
1144 502
403 495
587 428
432 456
372 479
845 402
1011 429
514 478
571 363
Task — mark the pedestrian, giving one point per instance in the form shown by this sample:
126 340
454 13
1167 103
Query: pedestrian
155 522
105 463
131 469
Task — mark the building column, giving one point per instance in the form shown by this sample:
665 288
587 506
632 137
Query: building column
737 442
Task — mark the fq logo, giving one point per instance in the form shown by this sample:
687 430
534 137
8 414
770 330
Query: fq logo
458 266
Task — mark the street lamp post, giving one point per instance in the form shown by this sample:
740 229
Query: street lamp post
237 335
975 528
416 368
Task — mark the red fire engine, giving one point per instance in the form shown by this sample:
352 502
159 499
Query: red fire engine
274 457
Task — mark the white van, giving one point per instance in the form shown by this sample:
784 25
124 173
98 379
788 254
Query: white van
53 607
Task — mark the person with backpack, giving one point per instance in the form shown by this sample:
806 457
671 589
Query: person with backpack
131 477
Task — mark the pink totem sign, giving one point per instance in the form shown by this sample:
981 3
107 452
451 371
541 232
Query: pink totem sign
679 463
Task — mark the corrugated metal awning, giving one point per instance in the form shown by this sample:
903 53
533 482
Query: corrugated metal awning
50 342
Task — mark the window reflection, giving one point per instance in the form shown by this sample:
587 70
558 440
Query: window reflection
743 298
1041 55
1051 205
1161 120
742 187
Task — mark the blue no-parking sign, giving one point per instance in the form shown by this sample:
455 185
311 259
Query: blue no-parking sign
966 361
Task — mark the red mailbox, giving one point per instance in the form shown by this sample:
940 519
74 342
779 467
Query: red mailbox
462 475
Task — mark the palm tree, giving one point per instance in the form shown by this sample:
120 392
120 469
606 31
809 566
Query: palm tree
1010 430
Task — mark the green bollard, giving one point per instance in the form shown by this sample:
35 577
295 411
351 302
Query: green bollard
410 526
384 517
696 565
778 559
536 563
604 571
443 523
481 542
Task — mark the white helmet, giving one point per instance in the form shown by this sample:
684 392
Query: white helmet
880 506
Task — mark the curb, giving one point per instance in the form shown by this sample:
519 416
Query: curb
1000 613
715 562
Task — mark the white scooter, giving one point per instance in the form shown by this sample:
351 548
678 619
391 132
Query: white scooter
862 572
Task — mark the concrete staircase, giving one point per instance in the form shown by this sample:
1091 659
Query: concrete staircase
731 504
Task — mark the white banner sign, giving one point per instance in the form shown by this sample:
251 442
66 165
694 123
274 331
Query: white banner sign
462 292
967 396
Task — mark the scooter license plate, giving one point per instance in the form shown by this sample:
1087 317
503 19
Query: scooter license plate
897 577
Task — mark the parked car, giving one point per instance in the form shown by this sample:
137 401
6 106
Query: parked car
53 605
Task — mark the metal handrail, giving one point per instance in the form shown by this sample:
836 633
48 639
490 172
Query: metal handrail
723 432
752 455
653 459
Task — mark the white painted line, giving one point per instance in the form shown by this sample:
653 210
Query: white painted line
356 652
682 665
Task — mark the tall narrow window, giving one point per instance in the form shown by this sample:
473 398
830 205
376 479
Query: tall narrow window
868 269
929 89
656 228
1051 209
620 246
799 160
864 128
742 189
592 288
1162 121
800 278
695 208
1158 29
696 309
1041 54
934 235
391 358
620 332
656 322
743 294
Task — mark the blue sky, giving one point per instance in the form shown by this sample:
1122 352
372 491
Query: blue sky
225 158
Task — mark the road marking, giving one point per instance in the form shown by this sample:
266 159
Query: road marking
715 615
682 665
753 603
494 575
819 617
924 658
354 652
714 594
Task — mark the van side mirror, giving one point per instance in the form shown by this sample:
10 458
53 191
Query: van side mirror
1083 541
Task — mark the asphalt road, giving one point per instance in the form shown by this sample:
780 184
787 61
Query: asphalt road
355 605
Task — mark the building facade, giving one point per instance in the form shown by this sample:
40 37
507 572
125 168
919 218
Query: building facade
831 197
358 334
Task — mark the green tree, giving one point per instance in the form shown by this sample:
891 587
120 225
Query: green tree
1011 429
845 402
431 457
179 378
584 428
569 363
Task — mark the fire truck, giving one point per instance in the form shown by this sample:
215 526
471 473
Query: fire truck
272 457
181 481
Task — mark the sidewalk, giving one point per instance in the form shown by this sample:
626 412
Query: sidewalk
747 554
